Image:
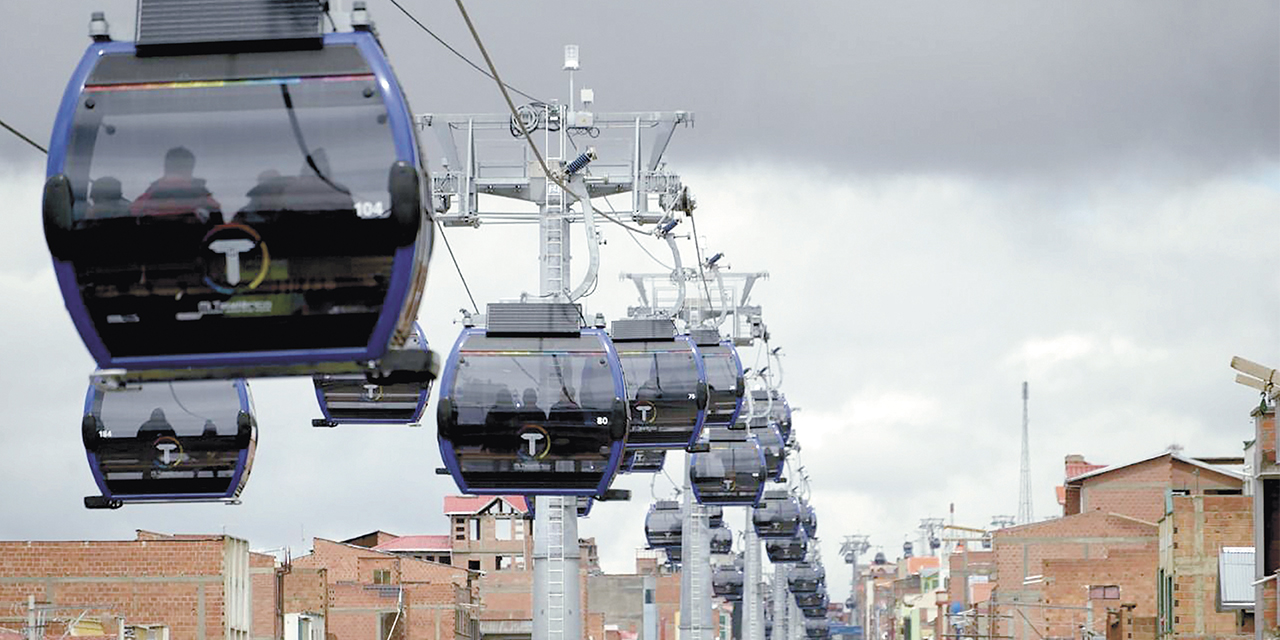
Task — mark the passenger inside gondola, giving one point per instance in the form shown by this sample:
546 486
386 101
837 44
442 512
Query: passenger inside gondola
107 199
156 426
265 197
178 191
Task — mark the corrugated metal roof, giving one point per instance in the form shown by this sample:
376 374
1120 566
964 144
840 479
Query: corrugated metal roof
1235 577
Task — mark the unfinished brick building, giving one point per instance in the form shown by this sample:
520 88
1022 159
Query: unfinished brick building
201 587
1193 533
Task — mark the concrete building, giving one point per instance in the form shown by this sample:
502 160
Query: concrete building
1189 587
489 533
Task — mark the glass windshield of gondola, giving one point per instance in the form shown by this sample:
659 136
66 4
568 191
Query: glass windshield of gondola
643 460
727 581
350 398
663 525
666 383
730 472
786 550
725 385
777 515
775 453
170 441
721 540
534 415
269 201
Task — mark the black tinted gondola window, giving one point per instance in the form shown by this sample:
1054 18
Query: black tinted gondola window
243 148
654 375
190 408
549 382
722 372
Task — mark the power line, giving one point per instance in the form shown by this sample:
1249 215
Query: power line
455 51
24 138
458 268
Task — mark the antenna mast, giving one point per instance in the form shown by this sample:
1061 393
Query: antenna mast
1025 513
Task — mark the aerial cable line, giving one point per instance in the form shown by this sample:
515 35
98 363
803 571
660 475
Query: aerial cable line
461 277
23 137
455 51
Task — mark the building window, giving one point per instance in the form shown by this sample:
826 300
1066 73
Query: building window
503 528
459 529
1104 592
519 562
445 560
497 563
475 528
382 576
518 524
473 565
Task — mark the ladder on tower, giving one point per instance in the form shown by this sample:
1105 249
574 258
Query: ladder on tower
554 205
556 570
697 568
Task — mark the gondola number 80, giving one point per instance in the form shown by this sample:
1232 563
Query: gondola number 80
369 210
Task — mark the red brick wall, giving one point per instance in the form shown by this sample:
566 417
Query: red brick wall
1067 582
156 579
262 576
1198 527
506 595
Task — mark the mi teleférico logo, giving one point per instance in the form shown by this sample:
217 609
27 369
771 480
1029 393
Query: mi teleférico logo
234 258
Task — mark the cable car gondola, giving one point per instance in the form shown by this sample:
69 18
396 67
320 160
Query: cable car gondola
725 385
643 460
533 404
666 383
813 604
727 581
817 628
351 398
805 577
184 441
721 540
786 549
772 444
675 555
247 203
730 472
715 515
777 516
773 404
809 519
663 525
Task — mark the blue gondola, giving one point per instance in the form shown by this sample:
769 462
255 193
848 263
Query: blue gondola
730 472
533 404
352 398
805 577
786 549
777 516
813 604
219 206
817 628
715 515
721 540
666 383
643 460
773 403
584 504
772 444
675 555
187 441
725 384
727 581
809 519
663 525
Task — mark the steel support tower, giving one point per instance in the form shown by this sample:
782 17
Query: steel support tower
695 571
1025 513
753 583
850 549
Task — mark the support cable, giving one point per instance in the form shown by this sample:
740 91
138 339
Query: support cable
23 137
454 51
458 268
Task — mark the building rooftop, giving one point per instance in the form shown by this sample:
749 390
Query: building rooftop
467 505
416 543
1191 461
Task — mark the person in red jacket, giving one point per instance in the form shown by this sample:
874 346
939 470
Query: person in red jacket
177 191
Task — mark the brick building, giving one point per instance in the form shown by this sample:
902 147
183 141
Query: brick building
1193 532
376 594
489 533
1137 489
200 587
1266 519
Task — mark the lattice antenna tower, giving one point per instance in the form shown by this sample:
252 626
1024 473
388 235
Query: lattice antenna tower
1025 513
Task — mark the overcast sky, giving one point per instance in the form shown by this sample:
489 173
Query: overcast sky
950 198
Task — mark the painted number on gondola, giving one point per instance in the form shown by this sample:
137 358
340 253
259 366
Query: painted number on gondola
371 210
602 420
